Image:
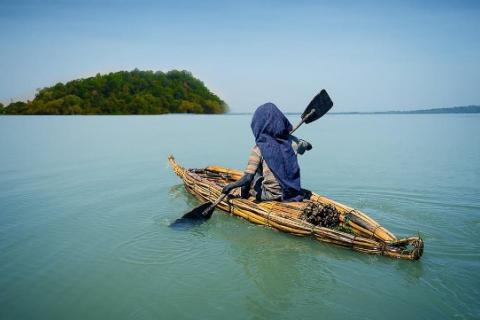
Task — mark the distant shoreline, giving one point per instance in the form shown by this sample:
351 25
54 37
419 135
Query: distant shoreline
462 109
451 110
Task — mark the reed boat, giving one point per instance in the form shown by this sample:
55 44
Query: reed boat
317 216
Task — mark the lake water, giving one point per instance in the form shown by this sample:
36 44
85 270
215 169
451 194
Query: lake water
86 203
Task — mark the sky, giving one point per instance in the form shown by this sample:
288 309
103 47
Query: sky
369 55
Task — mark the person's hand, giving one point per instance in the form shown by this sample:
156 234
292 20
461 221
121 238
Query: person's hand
243 181
228 188
303 146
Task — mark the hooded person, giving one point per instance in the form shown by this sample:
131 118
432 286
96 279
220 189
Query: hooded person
272 171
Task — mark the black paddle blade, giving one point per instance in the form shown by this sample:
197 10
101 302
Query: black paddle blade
196 216
202 212
321 104
185 223
199 212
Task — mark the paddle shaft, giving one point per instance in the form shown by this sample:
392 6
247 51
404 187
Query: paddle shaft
213 205
302 121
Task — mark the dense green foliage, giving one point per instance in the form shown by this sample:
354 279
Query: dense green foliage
135 92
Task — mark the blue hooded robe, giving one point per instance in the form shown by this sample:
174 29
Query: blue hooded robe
271 130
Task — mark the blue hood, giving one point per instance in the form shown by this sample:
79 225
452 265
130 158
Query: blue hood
272 130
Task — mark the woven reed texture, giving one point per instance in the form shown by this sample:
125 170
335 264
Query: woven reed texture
365 234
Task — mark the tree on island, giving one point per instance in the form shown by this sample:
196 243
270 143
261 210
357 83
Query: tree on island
124 92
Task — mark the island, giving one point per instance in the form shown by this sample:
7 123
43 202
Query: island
123 93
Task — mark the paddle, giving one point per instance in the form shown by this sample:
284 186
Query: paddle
316 109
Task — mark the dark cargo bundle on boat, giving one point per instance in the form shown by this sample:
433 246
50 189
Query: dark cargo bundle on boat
326 220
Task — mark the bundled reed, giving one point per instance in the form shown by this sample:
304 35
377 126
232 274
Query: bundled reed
353 229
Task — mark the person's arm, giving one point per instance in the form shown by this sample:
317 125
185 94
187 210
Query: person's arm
245 180
252 166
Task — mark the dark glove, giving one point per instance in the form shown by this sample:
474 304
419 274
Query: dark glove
245 180
245 192
303 146
229 187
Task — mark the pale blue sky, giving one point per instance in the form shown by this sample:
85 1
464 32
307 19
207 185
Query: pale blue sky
369 55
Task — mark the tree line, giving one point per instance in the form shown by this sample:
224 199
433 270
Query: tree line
123 92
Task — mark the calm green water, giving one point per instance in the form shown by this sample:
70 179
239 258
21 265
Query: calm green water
85 204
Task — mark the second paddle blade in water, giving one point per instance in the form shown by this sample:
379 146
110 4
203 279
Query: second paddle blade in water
197 215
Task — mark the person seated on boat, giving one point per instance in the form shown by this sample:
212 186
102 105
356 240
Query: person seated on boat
272 171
